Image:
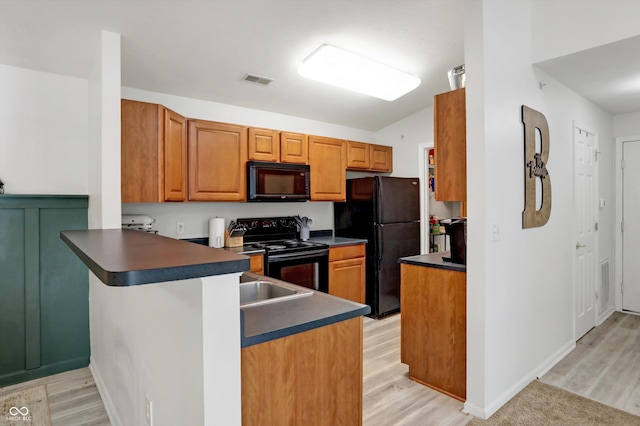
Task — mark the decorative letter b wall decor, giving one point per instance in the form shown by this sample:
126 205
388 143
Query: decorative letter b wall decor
535 166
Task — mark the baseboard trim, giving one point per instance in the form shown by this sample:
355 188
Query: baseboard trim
605 315
537 372
104 394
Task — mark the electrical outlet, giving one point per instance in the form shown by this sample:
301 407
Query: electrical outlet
149 411
179 228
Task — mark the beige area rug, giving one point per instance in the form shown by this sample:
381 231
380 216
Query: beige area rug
542 404
25 407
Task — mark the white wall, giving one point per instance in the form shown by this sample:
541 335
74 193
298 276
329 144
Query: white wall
562 27
43 132
405 136
626 124
519 288
196 215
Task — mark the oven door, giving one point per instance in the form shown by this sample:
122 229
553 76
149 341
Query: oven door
307 269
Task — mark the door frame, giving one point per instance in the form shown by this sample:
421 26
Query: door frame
423 153
596 216
617 276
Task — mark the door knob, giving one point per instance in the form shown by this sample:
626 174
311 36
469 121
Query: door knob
578 245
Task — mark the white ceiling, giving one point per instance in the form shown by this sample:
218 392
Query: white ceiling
203 49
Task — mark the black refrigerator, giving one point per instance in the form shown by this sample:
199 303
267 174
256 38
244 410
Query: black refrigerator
386 212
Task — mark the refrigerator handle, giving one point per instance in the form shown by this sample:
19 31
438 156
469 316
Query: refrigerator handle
380 245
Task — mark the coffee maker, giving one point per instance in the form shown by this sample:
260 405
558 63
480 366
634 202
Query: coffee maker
457 231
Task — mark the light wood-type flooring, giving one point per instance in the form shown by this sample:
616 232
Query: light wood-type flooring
604 367
389 397
73 398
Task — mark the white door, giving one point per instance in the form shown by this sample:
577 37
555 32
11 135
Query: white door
631 226
585 228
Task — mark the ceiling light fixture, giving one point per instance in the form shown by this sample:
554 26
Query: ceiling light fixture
335 66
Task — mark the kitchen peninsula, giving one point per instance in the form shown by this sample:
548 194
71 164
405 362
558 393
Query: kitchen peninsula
173 329
434 321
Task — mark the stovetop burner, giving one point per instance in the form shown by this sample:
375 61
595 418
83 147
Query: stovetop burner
288 245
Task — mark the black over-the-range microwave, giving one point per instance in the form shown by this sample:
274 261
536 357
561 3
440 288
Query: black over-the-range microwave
277 181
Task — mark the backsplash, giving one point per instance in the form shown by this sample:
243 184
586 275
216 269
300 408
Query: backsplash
195 216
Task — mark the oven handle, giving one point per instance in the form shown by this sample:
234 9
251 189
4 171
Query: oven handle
301 255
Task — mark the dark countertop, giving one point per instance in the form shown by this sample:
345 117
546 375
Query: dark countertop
433 260
122 257
262 323
338 241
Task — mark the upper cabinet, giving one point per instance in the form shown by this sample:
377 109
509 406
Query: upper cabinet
327 159
166 157
153 153
365 156
217 161
358 155
450 146
264 145
294 148
381 158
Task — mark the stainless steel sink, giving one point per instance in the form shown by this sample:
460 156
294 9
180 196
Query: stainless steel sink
261 292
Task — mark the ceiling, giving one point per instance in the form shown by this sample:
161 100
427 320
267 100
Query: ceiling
204 49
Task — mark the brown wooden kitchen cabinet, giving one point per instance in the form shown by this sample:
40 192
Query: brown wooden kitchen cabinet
153 153
328 161
264 145
369 157
433 327
294 148
309 378
381 158
217 161
256 263
347 269
358 155
450 146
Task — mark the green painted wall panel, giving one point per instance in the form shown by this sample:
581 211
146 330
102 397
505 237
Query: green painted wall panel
64 289
12 310
44 288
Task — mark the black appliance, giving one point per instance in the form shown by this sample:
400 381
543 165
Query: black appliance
457 231
286 257
386 212
277 181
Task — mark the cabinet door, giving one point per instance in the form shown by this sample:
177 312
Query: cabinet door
346 279
264 145
358 155
141 152
153 153
217 161
175 156
294 148
381 158
327 159
256 263
450 146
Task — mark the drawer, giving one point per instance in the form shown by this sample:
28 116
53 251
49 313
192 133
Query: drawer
346 252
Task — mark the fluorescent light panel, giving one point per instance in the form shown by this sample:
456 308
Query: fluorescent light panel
335 66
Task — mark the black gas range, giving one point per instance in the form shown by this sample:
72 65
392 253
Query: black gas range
286 257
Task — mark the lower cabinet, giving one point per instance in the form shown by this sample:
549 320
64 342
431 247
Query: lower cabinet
433 327
347 272
309 378
44 288
256 263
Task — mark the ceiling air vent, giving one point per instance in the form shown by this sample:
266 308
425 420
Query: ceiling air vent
258 79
